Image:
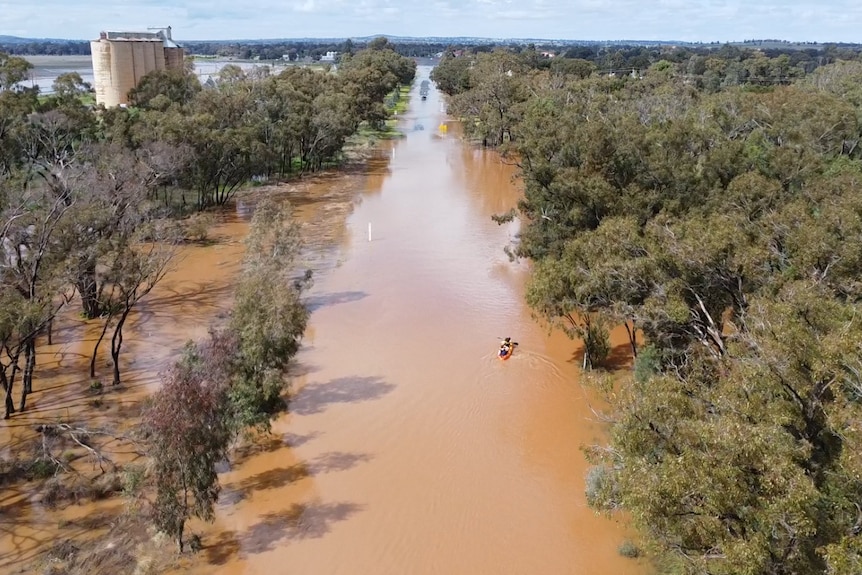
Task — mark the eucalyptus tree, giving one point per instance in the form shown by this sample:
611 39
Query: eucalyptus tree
219 130
306 117
32 276
189 434
452 73
497 86
169 85
269 316
371 74
121 242
16 102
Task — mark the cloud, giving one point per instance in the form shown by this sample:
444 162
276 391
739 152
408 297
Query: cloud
307 6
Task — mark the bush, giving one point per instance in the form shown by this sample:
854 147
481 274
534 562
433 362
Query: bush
629 549
597 342
647 364
43 469
601 490
133 478
96 386
196 227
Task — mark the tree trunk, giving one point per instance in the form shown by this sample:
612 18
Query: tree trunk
96 347
117 343
87 287
632 337
10 405
29 367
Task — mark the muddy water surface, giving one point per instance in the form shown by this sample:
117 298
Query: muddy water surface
409 448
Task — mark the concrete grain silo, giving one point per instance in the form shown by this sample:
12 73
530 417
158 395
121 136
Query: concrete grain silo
121 59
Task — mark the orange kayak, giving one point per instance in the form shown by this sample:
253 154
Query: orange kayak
504 356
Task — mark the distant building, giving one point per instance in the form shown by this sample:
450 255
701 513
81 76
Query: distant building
329 57
121 59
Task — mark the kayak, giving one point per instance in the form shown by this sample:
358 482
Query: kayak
508 354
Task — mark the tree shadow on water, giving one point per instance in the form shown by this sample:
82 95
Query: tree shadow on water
619 358
314 397
223 549
315 302
299 521
273 478
335 461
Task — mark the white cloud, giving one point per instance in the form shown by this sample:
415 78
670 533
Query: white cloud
306 6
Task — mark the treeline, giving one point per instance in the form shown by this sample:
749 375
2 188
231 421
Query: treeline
606 56
720 222
709 67
46 48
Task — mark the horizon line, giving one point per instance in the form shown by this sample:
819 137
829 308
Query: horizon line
462 37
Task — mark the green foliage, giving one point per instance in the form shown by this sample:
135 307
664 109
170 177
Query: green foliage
165 86
629 549
647 364
43 469
452 74
189 434
269 317
723 221
597 341
133 478
13 71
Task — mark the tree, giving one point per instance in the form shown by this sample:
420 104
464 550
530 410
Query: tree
137 266
13 71
269 316
179 86
452 74
32 265
497 83
743 466
189 435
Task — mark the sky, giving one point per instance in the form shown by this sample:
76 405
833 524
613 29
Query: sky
682 20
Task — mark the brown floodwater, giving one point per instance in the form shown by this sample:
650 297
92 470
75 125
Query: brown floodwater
409 447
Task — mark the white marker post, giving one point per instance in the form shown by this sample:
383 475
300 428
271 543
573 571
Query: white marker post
369 231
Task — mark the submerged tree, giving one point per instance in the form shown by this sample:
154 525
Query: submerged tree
269 316
136 268
189 433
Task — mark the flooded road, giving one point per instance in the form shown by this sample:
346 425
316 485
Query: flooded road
409 447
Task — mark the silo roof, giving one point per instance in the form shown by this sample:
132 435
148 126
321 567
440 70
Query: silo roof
141 37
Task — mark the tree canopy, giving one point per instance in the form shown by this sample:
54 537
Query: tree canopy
714 207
